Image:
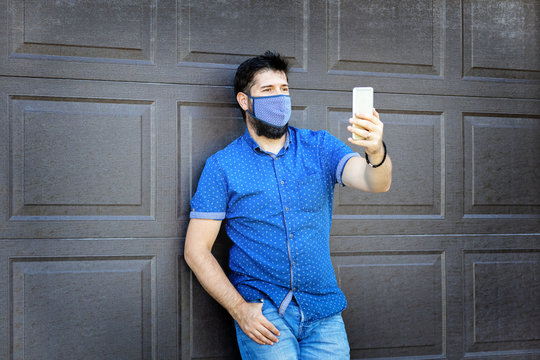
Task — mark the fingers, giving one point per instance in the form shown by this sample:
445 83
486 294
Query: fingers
271 328
367 131
373 117
362 125
368 144
261 337
268 333
264 333
257 326
368 123
364 132
361 134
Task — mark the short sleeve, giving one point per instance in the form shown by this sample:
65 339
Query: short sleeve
210 199
335 154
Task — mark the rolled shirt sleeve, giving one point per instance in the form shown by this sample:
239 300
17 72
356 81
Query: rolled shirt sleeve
210 199
335 154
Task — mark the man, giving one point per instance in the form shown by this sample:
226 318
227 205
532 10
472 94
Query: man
273 186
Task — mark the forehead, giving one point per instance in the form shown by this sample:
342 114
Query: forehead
269 78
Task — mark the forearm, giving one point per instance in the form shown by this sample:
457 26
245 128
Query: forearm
359 175
200 238
213 279
375 173
379 178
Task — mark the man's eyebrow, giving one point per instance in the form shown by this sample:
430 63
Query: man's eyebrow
271 85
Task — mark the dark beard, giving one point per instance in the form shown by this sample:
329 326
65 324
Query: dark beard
266 130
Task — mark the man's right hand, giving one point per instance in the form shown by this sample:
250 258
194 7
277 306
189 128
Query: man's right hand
251 320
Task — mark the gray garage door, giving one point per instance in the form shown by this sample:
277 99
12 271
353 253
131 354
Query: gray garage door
108 110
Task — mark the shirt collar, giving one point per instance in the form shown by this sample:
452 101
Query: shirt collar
255 147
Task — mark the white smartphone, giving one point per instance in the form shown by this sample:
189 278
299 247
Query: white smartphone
362 102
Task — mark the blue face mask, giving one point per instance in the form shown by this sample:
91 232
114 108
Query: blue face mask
274 110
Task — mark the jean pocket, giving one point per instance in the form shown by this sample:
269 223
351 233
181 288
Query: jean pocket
269 310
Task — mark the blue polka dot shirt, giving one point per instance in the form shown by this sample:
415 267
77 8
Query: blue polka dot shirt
277 211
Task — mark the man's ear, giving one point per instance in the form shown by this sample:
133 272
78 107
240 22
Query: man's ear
243 100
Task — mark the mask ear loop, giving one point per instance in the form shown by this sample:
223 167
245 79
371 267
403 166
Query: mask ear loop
253 106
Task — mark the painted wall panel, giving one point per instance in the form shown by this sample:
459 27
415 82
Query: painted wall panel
56 172
500 39
109 109
119 31
62 308
386 36
502 154
396 303
234 25
501 301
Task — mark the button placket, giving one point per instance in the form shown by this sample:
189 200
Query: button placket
279 168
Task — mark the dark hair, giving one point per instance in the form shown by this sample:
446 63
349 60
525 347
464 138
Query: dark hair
245 73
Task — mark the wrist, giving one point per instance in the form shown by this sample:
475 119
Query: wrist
377 159
237 308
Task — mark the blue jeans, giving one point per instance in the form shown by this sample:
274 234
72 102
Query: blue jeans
320 339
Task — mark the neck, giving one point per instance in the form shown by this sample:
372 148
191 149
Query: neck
269 145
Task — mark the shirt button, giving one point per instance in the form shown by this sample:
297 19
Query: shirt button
282 182
291 236
294 263
286 208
